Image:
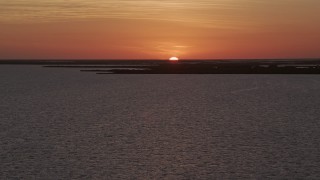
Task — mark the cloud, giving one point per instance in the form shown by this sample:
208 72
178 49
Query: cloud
200 11
230 14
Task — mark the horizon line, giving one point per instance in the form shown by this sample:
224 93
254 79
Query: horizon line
149 59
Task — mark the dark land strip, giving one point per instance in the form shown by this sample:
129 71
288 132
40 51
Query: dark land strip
296 66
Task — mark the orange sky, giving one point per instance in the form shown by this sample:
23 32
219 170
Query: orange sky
153 29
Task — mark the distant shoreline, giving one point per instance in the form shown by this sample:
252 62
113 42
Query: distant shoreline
258 66
124 61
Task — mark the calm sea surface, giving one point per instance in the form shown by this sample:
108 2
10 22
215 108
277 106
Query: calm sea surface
64 124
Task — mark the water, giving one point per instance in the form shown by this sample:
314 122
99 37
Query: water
64 124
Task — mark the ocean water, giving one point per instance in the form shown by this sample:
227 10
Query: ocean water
66 124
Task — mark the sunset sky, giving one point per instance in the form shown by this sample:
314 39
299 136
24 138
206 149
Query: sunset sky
159 29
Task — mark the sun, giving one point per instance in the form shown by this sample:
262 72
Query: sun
174 59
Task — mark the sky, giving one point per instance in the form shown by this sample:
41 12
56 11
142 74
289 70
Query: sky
159 29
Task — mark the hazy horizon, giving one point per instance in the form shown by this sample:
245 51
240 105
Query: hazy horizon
150 59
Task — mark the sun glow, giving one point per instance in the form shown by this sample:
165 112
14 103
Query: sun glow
174 59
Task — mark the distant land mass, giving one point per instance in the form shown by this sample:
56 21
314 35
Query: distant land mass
227 66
